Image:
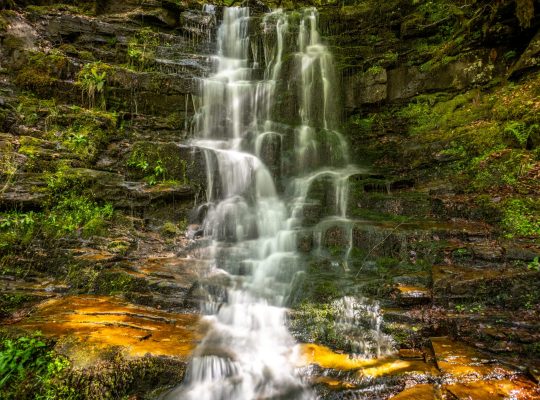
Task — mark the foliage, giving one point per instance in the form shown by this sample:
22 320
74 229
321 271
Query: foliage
534 265
93 79
521 132
17 227
10 302
521 218
76 213
141 48
30 370
154 171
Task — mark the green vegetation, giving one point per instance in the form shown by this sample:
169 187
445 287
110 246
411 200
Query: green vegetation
93 79
521 217
72 213
10 302
316 323
42 70
534 265
488 142
154 172
141 49
29 369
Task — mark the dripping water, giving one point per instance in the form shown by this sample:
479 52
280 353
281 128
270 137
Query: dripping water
251 224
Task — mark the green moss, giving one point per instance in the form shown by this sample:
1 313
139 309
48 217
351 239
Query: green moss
316 323
521 217
42 70
141 49
169 229
111 283
82 7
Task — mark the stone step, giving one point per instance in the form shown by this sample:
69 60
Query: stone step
411 295
458 283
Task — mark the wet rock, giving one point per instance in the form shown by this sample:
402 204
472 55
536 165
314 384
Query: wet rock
521 251
464 283
108 322
419 392
158 16
304 241
18 39
365 88
458 361
356 369
489 251
411 354
407 295
335 237
493 390
530 59
535 373
25 191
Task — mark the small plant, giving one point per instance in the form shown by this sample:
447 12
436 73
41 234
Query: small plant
29 369
534 265
519 219
520 131
375 70
141 48
93 78
510 55
157 171
460 308
77 213
476 309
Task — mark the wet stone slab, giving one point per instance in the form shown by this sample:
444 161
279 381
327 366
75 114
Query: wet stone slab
517 389
108 322
419 392
459 361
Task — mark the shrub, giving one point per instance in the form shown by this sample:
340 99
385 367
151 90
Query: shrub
29 369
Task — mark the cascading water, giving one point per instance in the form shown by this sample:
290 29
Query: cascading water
251 222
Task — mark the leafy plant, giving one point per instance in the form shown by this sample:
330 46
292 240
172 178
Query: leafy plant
534 265
460 308
520 131
29 369
73 213
93 78
157 171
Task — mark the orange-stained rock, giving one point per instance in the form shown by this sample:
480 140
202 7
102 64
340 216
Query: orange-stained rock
419 392
328 359
411 354
106 322
461 361
494 390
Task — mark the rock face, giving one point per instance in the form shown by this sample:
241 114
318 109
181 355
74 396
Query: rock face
95 109
98 184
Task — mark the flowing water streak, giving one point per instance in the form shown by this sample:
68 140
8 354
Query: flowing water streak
247 352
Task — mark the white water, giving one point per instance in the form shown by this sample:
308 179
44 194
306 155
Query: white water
247 352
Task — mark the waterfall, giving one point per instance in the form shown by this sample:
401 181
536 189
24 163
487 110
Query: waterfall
259 172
